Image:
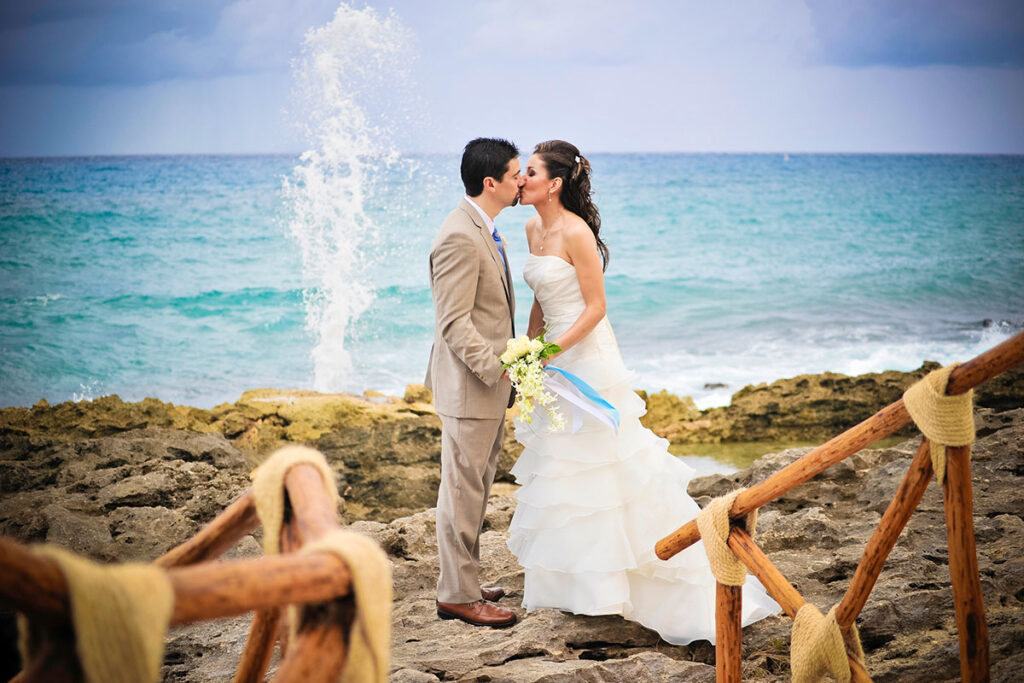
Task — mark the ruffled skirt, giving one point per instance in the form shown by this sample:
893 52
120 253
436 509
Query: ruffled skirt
593 504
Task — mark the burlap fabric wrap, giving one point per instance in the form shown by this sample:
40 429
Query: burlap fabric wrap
119 614
370 638
268 489
713 524
817 646
945 420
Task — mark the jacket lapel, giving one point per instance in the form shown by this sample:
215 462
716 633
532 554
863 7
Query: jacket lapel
491 246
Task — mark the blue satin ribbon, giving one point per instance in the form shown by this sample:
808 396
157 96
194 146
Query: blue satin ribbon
588 392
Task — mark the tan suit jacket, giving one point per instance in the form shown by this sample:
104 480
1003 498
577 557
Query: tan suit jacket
474 306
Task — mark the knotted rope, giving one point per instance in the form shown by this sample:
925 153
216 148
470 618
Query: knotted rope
268 489
817 646
119 614
370 637
945 420
713 524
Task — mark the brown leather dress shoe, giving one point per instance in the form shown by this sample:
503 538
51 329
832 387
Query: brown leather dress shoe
493 594
479 613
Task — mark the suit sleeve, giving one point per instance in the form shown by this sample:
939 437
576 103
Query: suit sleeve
455 268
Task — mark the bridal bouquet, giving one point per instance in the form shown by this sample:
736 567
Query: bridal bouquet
522 358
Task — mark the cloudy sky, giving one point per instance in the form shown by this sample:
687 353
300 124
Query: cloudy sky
217 76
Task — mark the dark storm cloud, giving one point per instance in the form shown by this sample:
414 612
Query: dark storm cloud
914 33
116 42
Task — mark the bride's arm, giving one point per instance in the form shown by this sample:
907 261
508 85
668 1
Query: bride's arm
536 325
582 249
536 320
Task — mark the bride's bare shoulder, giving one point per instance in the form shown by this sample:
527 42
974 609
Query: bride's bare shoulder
577 230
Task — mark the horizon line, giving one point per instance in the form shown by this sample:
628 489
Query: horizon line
114 155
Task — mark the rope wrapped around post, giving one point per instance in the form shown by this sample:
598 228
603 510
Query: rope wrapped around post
817 646
713 523
119 615
268 488
370 636
945 420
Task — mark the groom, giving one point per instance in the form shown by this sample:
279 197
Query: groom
474 307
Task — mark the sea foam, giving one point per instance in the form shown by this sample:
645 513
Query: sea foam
345 93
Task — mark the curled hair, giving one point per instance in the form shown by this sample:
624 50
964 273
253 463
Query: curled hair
563 160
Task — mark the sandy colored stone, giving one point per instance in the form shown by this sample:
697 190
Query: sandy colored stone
418 393
808 408
815 535
665 410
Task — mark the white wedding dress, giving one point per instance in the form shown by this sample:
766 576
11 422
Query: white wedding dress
593 503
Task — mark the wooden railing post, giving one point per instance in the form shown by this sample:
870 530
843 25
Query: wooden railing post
319 583
316 656
728 636
889 419
963 566
881 543
779 587
881 424
259 646
222 533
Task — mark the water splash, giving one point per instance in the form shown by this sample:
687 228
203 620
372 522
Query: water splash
90 392
350 83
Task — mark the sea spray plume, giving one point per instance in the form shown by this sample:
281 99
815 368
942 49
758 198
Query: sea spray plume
346 82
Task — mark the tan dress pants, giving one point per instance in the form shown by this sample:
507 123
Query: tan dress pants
469 457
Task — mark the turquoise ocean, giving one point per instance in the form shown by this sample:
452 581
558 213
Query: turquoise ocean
193 278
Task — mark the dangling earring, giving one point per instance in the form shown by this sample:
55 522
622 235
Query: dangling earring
549 195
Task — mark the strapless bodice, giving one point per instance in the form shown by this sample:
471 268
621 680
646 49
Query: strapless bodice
596 358
554 284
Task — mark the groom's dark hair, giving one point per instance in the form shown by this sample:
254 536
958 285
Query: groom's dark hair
485 158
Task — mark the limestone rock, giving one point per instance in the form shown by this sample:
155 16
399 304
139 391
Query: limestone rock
417 393
666 412
386 450
101 417
809 408
103 497
129 496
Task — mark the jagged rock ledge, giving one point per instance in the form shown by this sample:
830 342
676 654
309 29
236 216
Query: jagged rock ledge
134 494
807 408
386 450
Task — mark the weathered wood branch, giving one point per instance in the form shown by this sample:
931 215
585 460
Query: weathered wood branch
728 636
213 540
883 423
882 541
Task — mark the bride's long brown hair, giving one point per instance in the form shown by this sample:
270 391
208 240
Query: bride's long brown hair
560 158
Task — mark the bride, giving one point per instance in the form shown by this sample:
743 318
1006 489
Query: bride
593 502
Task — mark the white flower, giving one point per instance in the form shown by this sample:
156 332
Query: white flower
522 346
522 357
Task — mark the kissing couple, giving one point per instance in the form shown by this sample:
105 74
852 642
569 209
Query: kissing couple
593 501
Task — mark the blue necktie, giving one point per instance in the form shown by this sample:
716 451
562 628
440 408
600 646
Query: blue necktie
508 276
501 250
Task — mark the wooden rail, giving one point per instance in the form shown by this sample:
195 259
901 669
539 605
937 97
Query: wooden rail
958 502
321 582
890 419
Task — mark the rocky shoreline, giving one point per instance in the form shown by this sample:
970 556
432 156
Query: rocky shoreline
126 481
386 450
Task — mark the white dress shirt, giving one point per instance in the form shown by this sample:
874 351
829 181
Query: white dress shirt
488 221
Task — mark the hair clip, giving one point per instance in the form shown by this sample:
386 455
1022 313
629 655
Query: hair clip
577 158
